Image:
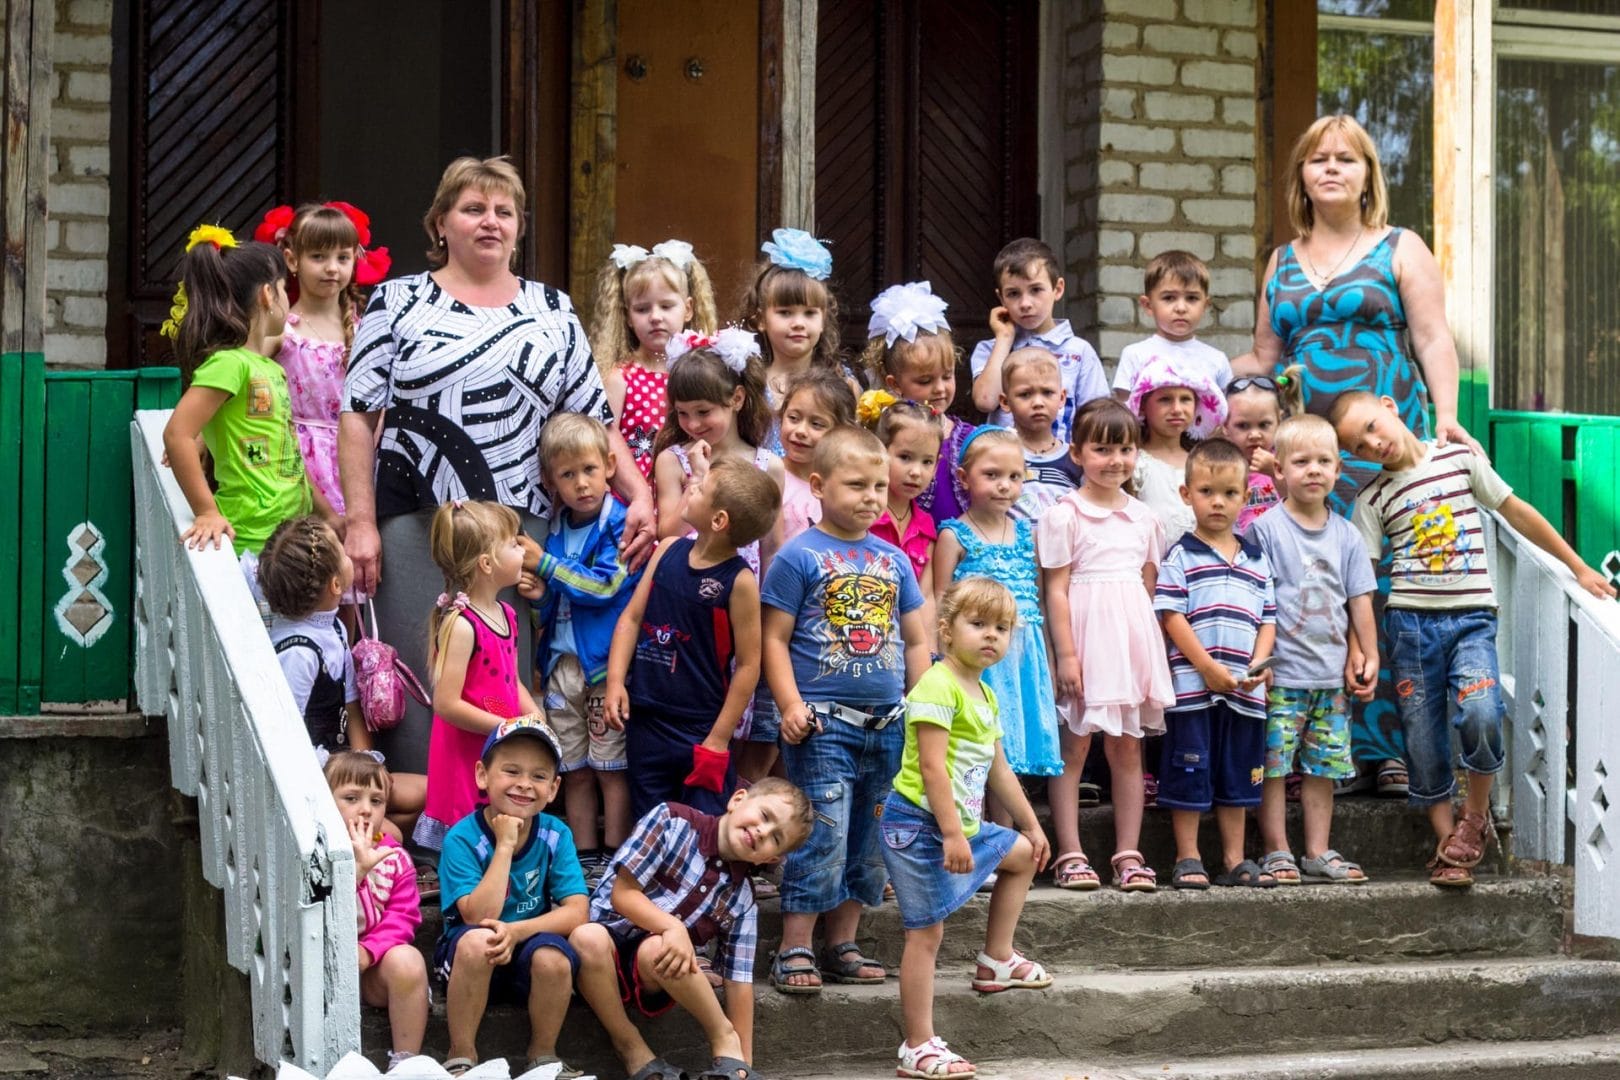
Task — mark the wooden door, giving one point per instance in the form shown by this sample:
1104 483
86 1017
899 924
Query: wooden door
925 147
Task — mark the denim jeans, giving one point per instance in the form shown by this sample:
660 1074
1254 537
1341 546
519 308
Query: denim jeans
1442 659
847 771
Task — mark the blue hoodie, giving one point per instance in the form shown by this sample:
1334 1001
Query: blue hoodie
596 583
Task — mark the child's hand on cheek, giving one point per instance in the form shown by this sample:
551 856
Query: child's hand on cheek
1001 324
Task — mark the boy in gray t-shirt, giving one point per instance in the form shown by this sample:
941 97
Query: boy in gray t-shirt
1324 585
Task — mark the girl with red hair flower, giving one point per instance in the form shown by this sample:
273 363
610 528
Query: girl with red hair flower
327 258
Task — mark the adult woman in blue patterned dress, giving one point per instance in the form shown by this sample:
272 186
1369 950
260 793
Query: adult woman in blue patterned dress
1360 304
452 376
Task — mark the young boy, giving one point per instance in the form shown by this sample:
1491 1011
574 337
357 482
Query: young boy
1214 599
1319 568
679 882
587 587
1175 294
1033 396
1029 283
512 891
685 657
1441 613
844 640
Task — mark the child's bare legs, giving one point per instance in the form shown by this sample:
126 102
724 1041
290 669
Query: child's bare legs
1442 818
1064 791
1229 820
468 993
1184 824
753 759
1316 803
1013 877
407 794
1124 755
598 984
551 984
994 811
615 806
693 993
841 924
399 981
1274 815
917 987
579 803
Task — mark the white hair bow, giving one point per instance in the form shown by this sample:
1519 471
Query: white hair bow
901 310
677 252
733 346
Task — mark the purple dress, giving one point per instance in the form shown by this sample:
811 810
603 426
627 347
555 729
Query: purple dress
946 498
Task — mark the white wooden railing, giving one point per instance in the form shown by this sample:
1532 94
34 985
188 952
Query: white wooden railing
272 839
1559 649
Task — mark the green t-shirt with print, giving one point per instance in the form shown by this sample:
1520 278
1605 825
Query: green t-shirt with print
257 463
970 749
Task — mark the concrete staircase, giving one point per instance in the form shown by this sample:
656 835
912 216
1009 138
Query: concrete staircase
1391 979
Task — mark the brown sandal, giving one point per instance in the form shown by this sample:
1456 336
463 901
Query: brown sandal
1460 852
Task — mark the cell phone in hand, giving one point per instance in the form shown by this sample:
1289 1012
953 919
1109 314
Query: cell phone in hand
1257 670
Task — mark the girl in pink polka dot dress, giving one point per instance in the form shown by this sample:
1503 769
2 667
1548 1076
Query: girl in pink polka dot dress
643 299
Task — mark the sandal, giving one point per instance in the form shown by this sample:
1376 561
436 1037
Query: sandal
1392 780
1466 845
836 968
1246 875
782 971
729 1068
939 1058
705 968
1137 878
1331 866
1282 867
459 1066
1445 876
1073 871
564 1072
659 1068
1004 974
1181 876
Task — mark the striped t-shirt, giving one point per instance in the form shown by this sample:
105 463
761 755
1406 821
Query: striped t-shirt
1227 603
1431 515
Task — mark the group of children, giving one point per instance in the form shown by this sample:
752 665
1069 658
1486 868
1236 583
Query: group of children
865 620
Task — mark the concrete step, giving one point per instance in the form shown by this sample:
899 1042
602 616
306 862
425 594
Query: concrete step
1568 1059
1380 922
1141 1016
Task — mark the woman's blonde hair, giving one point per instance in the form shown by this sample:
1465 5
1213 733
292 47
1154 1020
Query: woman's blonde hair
612 340
463 531
1374 197
492 176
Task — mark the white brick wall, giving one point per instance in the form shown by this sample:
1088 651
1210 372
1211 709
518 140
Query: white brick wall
77 193
1160 154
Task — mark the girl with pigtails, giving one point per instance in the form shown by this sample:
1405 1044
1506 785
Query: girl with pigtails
643 299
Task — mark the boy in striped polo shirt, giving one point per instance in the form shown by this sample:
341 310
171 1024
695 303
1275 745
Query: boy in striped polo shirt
1215 601
1441 615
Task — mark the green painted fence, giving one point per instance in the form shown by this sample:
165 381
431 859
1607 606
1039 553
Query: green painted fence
67 528
1568 467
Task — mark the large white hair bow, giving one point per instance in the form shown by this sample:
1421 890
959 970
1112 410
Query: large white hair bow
733 346
901 310
677 252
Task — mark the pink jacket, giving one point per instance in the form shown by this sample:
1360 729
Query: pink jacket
389 908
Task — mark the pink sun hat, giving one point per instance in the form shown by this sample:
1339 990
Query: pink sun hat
1209 404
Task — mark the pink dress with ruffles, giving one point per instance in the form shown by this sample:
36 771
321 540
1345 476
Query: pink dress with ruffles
315 371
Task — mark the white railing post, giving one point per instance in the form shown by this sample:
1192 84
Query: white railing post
272 839
1549 613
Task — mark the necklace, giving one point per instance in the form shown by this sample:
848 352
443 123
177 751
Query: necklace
901 520
1322 279
985 536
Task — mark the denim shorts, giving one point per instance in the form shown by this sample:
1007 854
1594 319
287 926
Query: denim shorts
508 983
847 772
1444 665
1211 757
1310 727
914 852
766 724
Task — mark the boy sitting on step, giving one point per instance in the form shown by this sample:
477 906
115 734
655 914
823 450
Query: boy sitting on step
680 881
1441 615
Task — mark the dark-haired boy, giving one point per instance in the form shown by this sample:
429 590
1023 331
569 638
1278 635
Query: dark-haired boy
1029 283
1175 295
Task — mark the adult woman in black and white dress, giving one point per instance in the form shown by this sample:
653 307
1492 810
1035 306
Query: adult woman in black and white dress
461 367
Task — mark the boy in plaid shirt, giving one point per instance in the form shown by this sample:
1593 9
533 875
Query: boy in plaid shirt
679 882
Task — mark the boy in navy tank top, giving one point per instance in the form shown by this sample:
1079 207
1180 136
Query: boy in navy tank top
686 652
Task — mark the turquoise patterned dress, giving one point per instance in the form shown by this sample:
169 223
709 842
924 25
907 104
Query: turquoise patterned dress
1351 335
1021 680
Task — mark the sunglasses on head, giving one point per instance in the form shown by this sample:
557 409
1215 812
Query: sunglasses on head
1256 382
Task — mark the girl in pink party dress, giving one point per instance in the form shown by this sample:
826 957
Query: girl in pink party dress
1099 549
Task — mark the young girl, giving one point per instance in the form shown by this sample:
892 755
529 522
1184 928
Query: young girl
936 844
321 245
909 351
816 401
1177 406
472 644
987 541
717 410
393 974
235 301
794 314
644 298
910 432
1100 551
1255 405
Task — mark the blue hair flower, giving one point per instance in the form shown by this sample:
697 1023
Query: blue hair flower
795 249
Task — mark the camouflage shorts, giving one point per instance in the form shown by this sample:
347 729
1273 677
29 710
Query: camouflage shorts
1312 724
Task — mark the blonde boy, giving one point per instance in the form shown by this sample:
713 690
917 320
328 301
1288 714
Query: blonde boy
1033 395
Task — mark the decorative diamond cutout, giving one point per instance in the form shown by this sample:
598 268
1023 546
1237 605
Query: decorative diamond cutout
84 613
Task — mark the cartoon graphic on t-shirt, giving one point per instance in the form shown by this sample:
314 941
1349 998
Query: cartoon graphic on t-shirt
1314 617
971 787
657 645
860 604
1438 552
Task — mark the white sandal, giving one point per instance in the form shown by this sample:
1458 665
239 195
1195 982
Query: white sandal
1002 975
939 1057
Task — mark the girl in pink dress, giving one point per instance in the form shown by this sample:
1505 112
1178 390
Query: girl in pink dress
1099 549
816 401
473 651
644 298
911 432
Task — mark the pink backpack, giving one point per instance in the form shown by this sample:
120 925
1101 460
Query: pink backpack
383 678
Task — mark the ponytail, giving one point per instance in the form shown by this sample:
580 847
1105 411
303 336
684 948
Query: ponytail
221 286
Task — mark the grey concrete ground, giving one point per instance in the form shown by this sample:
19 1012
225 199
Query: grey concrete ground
151 1055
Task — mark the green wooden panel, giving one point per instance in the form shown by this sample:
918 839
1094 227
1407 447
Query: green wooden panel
67 465
1508 444
157 388
11 381
31 491
1597 485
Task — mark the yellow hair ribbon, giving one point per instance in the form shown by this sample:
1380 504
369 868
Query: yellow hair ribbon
872 404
